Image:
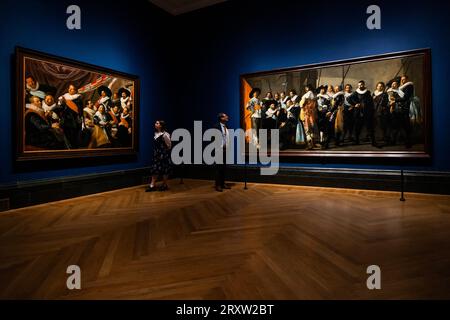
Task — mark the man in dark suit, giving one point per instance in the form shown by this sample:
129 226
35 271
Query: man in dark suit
72 118
221 167
362 103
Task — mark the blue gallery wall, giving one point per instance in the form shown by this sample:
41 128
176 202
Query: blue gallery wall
239 37
189 65
126 37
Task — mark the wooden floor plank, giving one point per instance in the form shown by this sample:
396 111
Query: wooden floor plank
267 242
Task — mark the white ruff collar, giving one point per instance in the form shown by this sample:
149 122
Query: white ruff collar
103 99
397 91
35 88
124 117
377 93
98 114
337 94
325 96
37 109
361 91
69 96
124 100
45 106
409 83
346 94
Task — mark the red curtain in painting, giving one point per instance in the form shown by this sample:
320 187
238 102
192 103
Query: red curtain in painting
246 92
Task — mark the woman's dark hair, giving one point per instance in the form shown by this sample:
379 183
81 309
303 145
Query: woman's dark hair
163 124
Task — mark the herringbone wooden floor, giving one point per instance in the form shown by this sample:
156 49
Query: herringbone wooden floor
267 242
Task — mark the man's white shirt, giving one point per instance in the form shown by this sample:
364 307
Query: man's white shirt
225 137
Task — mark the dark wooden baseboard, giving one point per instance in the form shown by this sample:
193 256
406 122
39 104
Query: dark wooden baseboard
390 180
22 194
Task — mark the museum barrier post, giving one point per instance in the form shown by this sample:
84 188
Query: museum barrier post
402 185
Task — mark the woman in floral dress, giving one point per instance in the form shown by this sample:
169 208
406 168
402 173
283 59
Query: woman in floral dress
162 164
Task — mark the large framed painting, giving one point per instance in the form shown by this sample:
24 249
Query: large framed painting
69 109
377 106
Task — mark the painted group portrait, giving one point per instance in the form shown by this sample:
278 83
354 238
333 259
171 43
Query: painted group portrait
374 106
70 107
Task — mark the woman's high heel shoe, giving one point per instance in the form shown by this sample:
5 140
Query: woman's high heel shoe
150 189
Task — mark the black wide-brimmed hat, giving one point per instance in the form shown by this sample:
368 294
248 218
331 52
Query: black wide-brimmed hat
396 79
106 89
50 91
253 91
325 87
127 92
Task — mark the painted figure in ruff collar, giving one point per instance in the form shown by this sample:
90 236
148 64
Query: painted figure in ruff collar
72 117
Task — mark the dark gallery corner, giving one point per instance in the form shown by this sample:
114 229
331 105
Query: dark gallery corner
103 101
